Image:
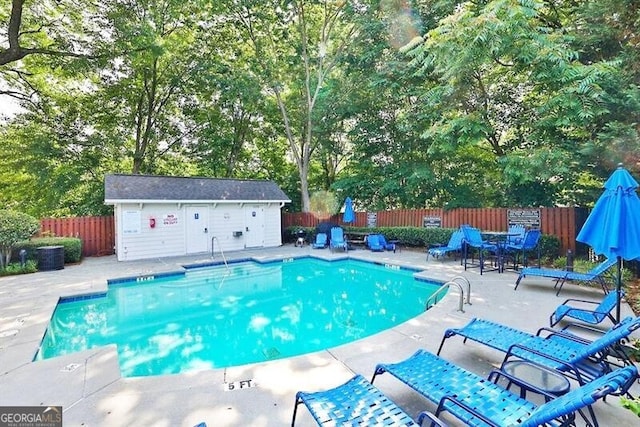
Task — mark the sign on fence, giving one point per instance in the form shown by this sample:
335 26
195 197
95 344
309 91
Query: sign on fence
432 222
372 219
530 218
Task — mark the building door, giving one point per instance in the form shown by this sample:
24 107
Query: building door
197 229
253 226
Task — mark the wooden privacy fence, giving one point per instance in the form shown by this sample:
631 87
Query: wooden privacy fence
563 223
96 232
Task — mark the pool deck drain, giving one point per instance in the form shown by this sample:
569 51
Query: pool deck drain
99 396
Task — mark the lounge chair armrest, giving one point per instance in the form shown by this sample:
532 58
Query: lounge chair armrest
525 349
580 300
582 326
433 420
466 408
562 334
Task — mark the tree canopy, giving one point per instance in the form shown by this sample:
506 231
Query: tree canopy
395 103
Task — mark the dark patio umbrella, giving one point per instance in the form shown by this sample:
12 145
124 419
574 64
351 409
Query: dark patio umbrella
349 215
613 226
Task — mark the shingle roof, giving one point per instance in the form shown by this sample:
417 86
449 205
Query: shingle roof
145 188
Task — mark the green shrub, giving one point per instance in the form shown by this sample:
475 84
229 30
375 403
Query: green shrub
15 268
14 227
549 246
632 404
72 247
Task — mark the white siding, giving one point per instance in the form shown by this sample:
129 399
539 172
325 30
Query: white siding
161 241
272 226
225 219
169 239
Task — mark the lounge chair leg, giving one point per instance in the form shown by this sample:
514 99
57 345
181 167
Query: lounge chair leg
520 277
446 335
295 411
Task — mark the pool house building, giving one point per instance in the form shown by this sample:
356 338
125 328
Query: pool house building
160 216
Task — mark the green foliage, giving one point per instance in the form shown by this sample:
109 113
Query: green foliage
72 247
323 204
549 246
433 103
14 227
632 404
15 268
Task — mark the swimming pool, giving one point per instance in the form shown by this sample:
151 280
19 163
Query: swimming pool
214 316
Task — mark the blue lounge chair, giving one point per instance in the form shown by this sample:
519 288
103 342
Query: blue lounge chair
575 356
598 314
594 275
386 245
321 241
473 239
356 402
373 243
479 402
337 239
454 245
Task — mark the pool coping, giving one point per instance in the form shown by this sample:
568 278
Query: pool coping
92 392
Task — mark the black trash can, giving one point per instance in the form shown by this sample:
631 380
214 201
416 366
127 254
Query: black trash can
50 258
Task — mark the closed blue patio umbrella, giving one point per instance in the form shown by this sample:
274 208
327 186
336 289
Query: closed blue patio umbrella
349 215
612 228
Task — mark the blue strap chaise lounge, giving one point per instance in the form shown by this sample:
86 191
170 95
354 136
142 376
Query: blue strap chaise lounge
601 310
454 245
477 401
357 402
561 276
576 357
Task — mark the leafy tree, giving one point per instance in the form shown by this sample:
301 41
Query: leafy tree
295 46
14 227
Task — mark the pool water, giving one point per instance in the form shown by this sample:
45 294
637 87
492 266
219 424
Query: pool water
217 317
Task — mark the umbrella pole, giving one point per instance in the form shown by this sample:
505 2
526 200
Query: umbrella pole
618 288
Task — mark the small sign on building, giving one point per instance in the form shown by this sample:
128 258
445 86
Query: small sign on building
529 218
432 222
170 219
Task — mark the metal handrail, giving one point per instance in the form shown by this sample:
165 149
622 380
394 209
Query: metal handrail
221 251
468 286
431 301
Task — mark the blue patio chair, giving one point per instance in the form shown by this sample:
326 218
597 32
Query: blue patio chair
601 311
561 276
575 356
373 243
356 402
518 251
473 239
454 245
337 239
321 241
477 401
516 234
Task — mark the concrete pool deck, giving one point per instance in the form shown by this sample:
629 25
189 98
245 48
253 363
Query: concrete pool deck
91 391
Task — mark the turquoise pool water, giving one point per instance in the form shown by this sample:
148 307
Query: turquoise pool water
216 317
